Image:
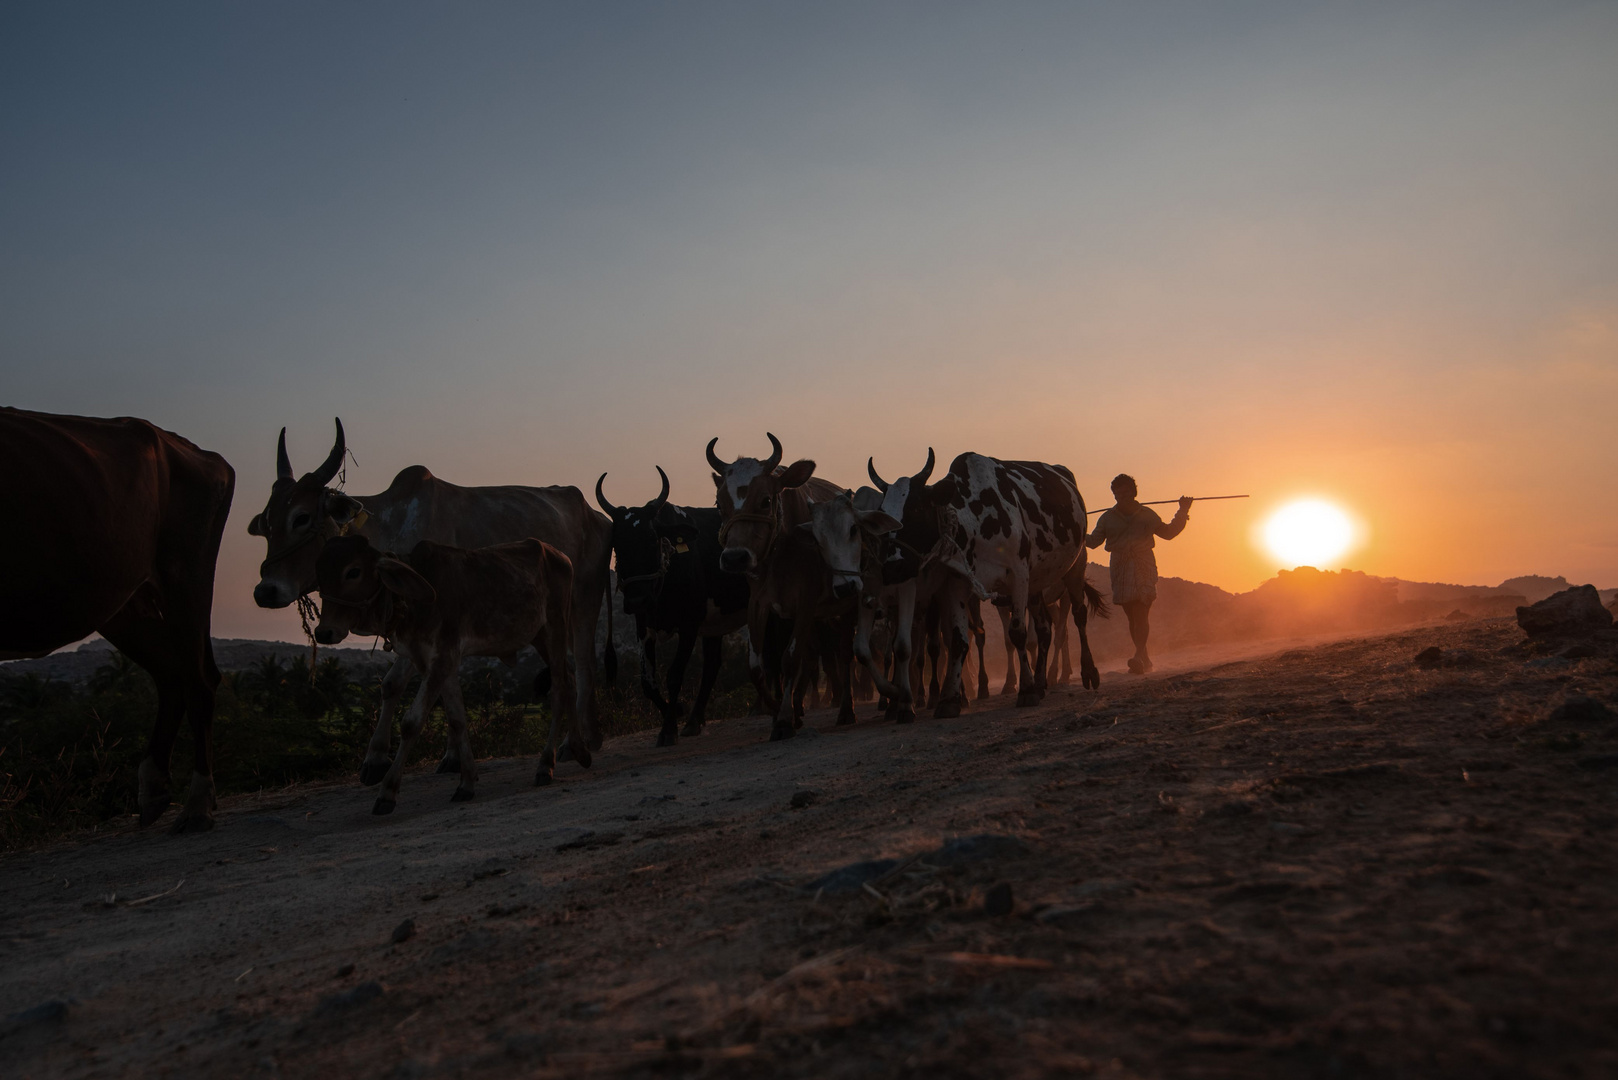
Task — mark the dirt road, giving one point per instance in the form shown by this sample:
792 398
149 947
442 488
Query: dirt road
1330 862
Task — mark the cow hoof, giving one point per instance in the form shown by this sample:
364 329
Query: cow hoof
947 710
383 806
596 739
565 751
462 794
1092 679
1028 699
582 756
907 715
543 778
189 822
449 765
843 720
782 731
372 772
691 730
668 736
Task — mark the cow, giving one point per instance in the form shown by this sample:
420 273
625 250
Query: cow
669 576
1015 530
441 604
791 578
305 512
113 526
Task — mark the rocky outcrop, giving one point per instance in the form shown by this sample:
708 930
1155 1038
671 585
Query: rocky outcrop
1573 612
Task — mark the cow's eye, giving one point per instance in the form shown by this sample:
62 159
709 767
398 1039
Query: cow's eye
301 521
853 531
766 502
353 573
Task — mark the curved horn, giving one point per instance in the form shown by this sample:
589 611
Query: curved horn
657 503
612 511
920 479
334 460
775 458
870 467
713 458
283 464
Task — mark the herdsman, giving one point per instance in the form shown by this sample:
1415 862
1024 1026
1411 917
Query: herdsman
1129 531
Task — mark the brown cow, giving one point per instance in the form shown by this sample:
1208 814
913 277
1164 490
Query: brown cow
440 605
114 526
303 513
732 479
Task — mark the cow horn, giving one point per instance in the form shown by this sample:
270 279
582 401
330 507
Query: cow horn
657 503
713 458
775 458
870 467
920 479
612 511
334 460
283 464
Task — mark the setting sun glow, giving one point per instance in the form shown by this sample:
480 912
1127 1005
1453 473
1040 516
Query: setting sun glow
1310 532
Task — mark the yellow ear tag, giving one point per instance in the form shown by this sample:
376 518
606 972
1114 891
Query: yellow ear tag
679 545
356 523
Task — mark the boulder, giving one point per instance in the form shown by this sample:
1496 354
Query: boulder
1572 612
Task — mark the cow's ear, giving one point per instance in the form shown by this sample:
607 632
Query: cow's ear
879 521
798 473
256 526
339 507
402 580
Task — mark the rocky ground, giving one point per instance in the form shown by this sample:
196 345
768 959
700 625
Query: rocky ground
1333 862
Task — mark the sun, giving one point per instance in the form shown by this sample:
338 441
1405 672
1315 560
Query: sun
1309 532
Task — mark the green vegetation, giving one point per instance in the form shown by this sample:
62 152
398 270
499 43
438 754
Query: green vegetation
69 752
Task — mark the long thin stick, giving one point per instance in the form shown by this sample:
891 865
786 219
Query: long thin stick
1165 502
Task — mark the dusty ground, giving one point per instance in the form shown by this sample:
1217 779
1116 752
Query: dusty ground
1324 863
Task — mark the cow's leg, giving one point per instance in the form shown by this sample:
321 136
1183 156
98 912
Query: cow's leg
1010 686
902 709
863 626
460 738
794 659
1040 615
590 587
951 603
1027 692
376 761
676 680
712 653
842 655
555 640
1083 597
935 650
1061 643
147 642
648 686
980 637
760 644
432 685
201 682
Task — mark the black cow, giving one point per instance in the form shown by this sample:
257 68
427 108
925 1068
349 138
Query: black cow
669 575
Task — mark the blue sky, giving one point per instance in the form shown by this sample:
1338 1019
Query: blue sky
1362 251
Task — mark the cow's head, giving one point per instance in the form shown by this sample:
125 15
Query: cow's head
911 501
752 529
735 480
300 515
840 528
355 580
643 552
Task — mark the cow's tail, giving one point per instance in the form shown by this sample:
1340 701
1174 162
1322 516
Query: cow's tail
609 660
1094 601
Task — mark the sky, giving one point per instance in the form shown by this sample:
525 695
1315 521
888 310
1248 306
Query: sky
1362 252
